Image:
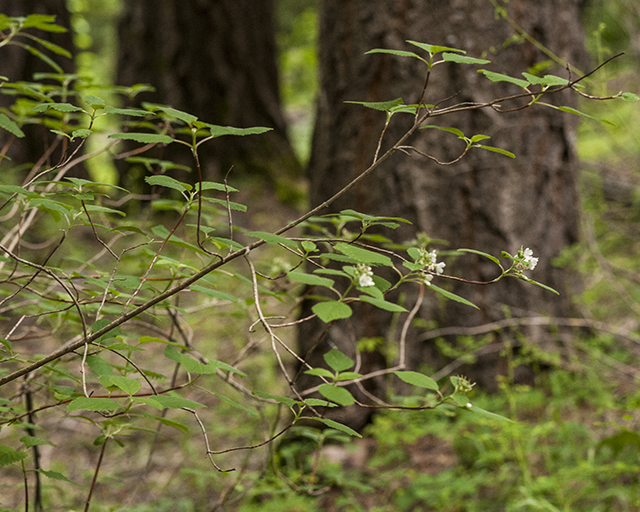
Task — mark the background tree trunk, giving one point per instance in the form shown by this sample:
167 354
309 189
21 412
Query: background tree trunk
20 65
216 60
486 201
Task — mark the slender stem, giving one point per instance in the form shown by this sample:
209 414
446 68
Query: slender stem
95 475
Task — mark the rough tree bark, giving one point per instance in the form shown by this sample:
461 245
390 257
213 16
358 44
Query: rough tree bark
18 64
486 201
216 60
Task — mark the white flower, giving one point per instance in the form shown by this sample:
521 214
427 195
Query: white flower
529 260
365 280
427 278
440 267
364 276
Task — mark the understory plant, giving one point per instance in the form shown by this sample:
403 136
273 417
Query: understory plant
117 327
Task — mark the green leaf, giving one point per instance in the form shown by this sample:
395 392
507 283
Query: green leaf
54 475
92 404
399 53
236 405
169 402
452 296
316 402
213 293
193 366
212 185
499 77
348 376
94 102
99 366
450 129
143 138
341 396
383 106
272 239
320 372
382 304
10 126
9 455
44 22
150 339
338 361
629 96
548 288
434 48
217 131
478 138
129 386
104 209
496 150
338 426
168 182
289 402
331 310
461 59
363 255
83 133
178 114
127 111
310 279
473 251
555 80
30 441
477 410
418 379
168 423
60 107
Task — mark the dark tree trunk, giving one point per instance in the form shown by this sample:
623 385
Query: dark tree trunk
486 201
216 60
20 65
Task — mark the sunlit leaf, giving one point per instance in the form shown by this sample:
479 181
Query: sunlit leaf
363 255
496 150
462 59
168 182
331 310
336 394
432 48
418 379
499 77
10 126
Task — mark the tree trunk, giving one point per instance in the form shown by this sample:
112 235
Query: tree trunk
20 65
216 60
486 201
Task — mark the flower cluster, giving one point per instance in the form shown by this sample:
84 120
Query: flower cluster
364 276
430 263
526 261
